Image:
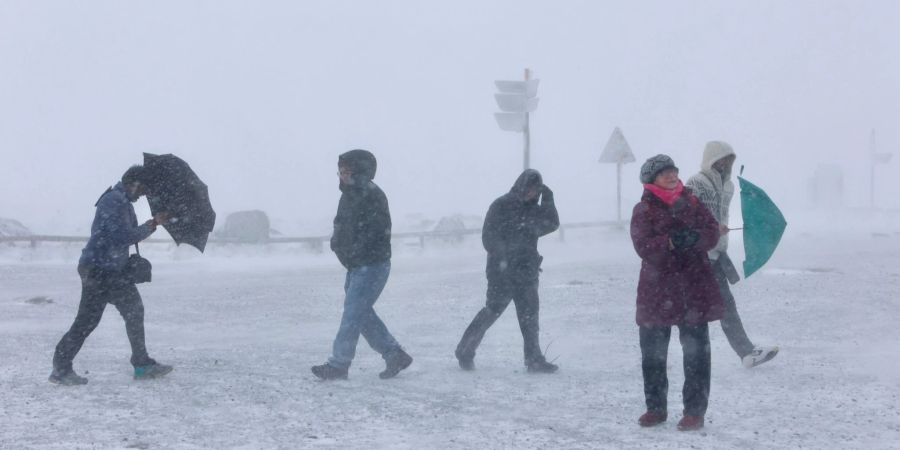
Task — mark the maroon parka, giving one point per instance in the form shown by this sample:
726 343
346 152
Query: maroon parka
676 286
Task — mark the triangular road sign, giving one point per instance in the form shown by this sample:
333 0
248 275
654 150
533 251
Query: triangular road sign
617 149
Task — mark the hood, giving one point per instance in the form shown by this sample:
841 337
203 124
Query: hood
714 151
526 180
362 163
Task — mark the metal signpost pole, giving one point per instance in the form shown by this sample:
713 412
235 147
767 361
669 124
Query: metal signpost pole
619 152
517 99
619 191
527 132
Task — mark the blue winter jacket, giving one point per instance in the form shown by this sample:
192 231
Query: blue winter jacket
115 228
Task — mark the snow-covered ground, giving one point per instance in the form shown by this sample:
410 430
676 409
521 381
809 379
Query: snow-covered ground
242 328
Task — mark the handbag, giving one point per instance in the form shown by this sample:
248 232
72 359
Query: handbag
138 269
731 273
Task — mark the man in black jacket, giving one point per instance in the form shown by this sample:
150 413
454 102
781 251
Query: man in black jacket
511 230
362 243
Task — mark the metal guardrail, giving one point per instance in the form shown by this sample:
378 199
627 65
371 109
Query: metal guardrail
316 242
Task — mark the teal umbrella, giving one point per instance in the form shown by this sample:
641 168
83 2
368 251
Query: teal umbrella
763 226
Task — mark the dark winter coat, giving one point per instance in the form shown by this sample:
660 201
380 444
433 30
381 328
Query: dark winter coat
114 229
512 228
676 286
362 225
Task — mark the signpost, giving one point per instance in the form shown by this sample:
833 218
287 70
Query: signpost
619 152
517 99
875 158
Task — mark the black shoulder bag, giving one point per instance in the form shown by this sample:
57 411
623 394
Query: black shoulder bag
138 269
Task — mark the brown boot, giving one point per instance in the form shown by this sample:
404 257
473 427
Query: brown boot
651 418
688 423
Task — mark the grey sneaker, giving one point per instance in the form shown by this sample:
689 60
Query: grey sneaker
758 356
66 378
154 370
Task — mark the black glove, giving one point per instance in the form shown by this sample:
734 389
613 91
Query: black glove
679 205
684 238
546 194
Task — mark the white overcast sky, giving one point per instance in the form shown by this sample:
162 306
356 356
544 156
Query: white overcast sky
261 96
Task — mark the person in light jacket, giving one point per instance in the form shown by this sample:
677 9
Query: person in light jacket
713 186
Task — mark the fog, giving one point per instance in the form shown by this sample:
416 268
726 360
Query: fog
261 97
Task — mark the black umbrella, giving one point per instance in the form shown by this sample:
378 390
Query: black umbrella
175 189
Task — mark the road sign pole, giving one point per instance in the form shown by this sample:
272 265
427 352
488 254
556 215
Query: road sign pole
527 132
619 152
872 157
619 191
527 136
517 99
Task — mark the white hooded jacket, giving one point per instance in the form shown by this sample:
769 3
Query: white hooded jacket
714 189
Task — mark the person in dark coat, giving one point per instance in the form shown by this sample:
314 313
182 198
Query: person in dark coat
104 279
362 243
513 224
672 231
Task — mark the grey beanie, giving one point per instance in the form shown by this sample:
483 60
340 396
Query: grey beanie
654 165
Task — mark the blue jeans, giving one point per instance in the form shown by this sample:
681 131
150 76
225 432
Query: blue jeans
362 288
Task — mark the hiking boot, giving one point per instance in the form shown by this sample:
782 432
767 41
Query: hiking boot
689 423
66 378
758 356
328 372
395 362
651 418
541 366
155 370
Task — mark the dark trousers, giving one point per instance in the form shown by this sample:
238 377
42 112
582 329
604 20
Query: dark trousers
731 322
502 290
99 287
697 367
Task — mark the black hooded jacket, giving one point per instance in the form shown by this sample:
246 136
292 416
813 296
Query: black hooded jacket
362 226
512 228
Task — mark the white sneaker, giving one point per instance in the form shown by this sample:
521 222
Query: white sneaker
759 355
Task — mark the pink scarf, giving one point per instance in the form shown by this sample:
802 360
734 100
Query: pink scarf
668 196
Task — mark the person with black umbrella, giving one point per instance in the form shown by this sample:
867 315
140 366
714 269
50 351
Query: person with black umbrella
362 243
106 279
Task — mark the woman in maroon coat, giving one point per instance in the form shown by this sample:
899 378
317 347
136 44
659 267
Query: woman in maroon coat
672 231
